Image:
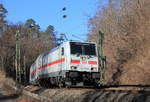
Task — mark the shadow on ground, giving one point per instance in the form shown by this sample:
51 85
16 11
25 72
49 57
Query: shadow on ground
8 97
38 91
100 95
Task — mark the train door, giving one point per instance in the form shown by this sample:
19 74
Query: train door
39 64
44 62
62 57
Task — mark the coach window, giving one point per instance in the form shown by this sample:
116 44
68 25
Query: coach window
62 51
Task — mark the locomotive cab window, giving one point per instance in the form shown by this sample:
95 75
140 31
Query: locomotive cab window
83 48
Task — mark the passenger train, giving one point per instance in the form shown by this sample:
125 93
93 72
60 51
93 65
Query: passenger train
71 63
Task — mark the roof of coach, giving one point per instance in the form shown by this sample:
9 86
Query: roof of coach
54 49
50 51
82 42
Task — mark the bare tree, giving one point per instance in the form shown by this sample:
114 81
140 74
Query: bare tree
31 47
126 24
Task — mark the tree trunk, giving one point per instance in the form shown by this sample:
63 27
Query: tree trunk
2 63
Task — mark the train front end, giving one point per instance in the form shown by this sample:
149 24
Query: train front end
83 63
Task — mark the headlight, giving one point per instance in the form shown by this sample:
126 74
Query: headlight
93 69
73 67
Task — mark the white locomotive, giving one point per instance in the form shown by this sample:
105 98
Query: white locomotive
71 63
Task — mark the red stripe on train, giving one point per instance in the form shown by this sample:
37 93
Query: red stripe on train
49 64
83 62
92 62
75 61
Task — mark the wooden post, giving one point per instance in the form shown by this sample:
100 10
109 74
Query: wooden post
24 70
16 61
102 59
18 57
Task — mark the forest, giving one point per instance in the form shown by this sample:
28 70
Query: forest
33 41
126 28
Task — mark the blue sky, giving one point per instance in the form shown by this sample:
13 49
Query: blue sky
49 12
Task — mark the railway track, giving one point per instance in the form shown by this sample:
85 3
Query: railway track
86 94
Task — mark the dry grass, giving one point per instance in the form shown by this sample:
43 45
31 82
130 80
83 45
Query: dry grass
2 77
137 71
5 80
